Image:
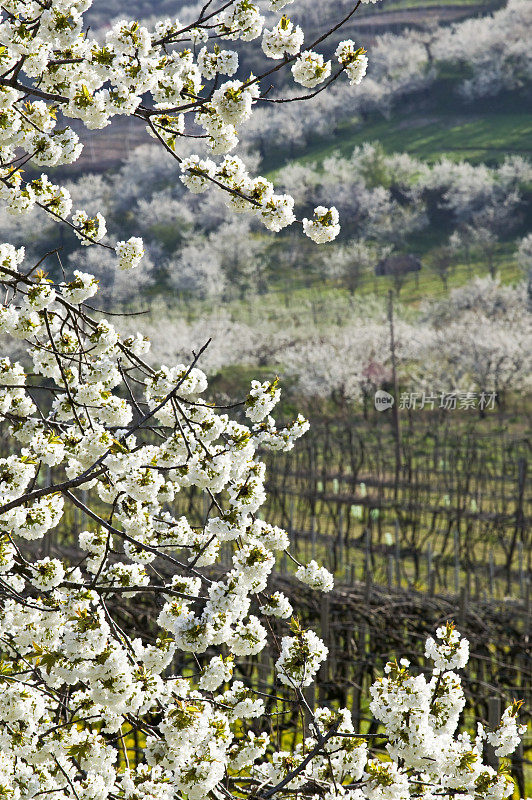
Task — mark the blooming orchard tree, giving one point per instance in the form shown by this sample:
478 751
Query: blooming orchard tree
476 354
481 340
493 47
486 296
524 259
346 363
94 427
350 261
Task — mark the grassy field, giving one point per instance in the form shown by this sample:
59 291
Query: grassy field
477 138
486 138
430 125
306 300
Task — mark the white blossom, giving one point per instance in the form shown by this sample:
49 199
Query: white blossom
315 576
130 253
310 69
285 37
324 226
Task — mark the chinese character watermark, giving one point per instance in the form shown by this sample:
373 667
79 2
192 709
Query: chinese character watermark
448 401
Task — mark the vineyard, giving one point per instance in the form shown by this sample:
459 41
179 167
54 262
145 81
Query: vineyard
453 515
446 537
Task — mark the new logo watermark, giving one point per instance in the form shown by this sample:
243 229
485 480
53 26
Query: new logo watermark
383 400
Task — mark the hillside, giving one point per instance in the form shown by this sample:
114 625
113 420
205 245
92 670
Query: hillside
414 164
429 125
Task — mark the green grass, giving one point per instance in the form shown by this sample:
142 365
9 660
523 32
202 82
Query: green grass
429 125
430 284
488 138
322 298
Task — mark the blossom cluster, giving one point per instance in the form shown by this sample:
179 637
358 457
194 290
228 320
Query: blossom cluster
353 59
56 614
421 720
315 576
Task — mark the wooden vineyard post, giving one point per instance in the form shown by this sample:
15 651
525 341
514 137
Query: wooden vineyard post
522 661
494 717
429 566
325 622
518 768
340 562
347 543
263 669
390 571
292 532
309 693
367 588
521 571
395 406
456 562
397 555
462 607
355 704
359 676
519 530
367 564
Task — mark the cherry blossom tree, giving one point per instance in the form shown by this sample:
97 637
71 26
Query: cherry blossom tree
348 362
524 259
95 427
477 354
352 261
493 47
524 253
441 262
486 242
481 341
